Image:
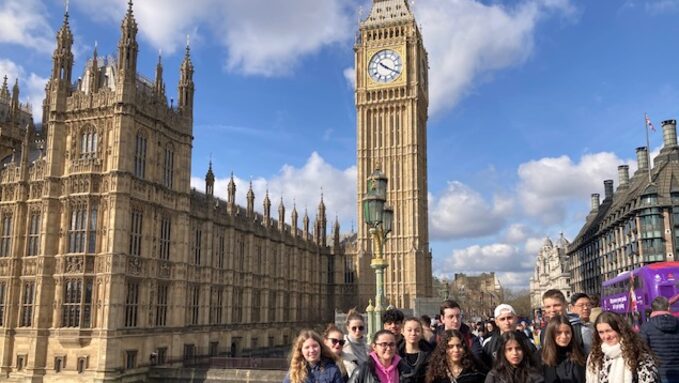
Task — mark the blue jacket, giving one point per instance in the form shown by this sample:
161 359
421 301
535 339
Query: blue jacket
661 333
324 372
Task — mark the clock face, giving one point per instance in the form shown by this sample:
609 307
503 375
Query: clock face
385 66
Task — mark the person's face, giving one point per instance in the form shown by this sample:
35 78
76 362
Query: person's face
506 322
385 348
356 328
335 341
394 327
311 351
489 327
552 307
412 331
452 319
513 352
455 350
583 307
607 334
563 335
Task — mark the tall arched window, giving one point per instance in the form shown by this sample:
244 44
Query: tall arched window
168 166
88 142
140 156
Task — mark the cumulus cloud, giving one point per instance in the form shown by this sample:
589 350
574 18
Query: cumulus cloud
547 185
467 39
300 186
25 23
261 37
31 86
461 211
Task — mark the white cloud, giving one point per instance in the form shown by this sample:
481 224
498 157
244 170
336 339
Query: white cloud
31 86
350 76
262 37
467 39
462 212
24 22
301 185
548 185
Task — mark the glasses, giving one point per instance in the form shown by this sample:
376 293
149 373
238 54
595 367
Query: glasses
359 328
584 305
386 345
335 342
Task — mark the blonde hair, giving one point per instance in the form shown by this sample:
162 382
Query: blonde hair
298 365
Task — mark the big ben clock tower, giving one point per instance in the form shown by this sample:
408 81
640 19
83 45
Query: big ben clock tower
391 106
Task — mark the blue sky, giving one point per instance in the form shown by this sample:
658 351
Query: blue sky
534 102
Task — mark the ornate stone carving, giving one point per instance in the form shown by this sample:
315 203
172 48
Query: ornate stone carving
134 265
73 264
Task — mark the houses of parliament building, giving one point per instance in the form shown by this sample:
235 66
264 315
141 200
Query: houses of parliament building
111 262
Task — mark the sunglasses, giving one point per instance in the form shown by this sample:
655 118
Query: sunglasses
359 328
335 342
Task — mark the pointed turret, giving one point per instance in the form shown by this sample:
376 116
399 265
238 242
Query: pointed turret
25 148
321 224
267 209
94 72
251 201
4 91
160 85
293 219
14 104
305 223
281 215
62 59
336 233
128 48
186 87
231 196
210 181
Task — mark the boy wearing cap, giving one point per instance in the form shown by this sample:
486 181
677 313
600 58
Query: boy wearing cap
506 321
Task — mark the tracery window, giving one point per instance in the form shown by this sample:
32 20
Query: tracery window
77 303
82 230
168 167
131 304
161 304
88 143
27 296
164 243
135 232
6 235
140 156
34 234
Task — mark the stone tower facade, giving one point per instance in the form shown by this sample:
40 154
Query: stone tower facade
391 106
110 263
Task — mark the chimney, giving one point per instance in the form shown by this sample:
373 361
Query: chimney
642 158
669 132
595 202
608 189
623 175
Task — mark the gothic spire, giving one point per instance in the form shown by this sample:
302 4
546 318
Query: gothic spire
267 207
4 91
186 87
127 46
62 59
94 72
210 181
160 85
251 201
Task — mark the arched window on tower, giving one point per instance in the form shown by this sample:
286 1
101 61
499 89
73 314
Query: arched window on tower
168 166
140 155
88 143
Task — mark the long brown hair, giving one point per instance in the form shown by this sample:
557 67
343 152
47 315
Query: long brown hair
438 362
330 328
549 350
633 348
298 365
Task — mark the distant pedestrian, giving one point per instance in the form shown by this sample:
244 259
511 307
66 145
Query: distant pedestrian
355 348
384 365
618 354
513 362
311 361
452 361
562 361
661 333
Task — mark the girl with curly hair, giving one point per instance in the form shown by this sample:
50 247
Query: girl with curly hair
563 362
618 354
311 361
514 363
452 361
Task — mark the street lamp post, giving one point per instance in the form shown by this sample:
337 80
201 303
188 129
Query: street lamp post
379 217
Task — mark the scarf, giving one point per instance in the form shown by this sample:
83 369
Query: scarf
356 349
386 374
618 372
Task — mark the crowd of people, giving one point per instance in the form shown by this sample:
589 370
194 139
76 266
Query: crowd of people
568 346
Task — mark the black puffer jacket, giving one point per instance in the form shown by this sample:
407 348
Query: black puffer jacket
661 333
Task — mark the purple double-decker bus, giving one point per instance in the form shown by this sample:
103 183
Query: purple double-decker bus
631 293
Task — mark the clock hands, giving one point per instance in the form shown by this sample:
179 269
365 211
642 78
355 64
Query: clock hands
387 68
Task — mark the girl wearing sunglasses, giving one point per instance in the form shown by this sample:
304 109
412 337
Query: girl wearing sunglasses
334 339
355 348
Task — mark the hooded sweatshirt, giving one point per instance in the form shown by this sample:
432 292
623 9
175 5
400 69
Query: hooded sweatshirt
661 333
386 374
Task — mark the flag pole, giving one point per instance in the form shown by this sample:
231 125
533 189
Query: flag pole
648 149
